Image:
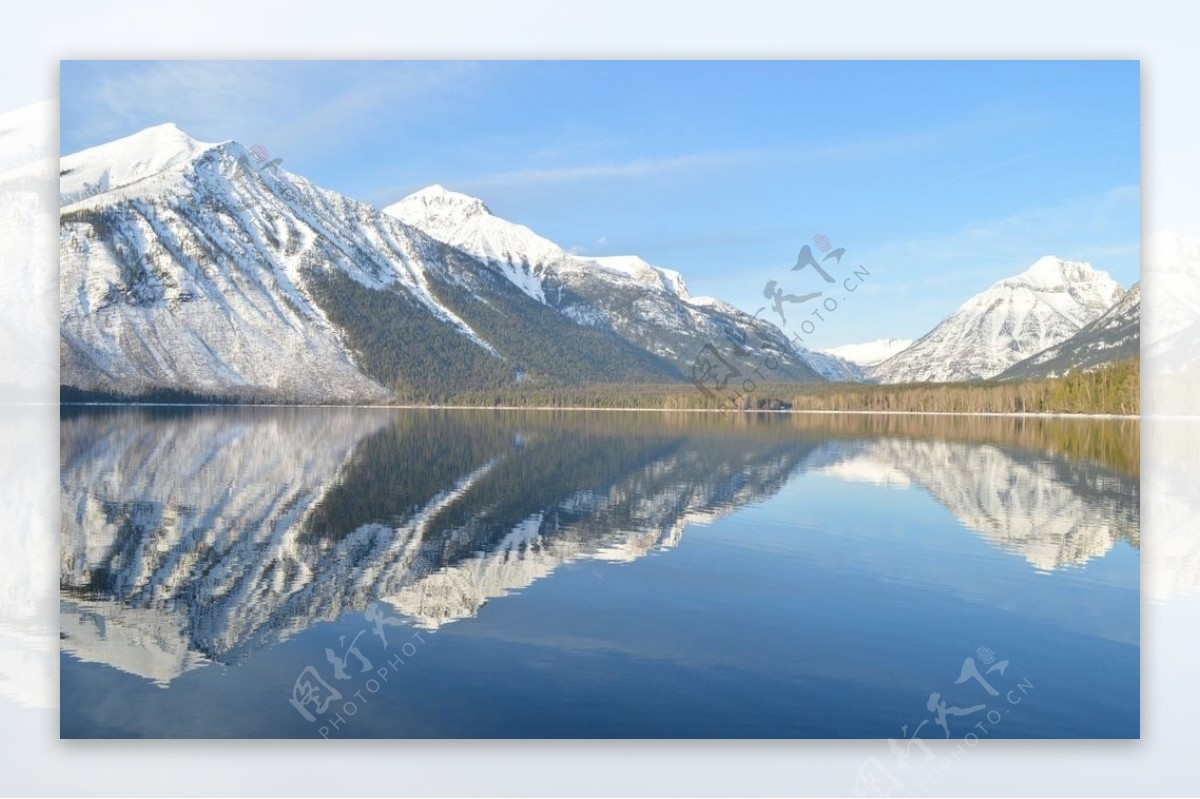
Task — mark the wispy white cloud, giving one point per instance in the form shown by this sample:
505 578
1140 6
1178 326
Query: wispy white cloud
1093 228
928 277
215 96
287 105
815 153
639 167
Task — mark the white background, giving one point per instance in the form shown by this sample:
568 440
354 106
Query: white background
1162 35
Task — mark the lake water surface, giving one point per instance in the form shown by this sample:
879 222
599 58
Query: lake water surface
342 573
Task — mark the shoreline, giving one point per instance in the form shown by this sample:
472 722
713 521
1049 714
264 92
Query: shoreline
1022 415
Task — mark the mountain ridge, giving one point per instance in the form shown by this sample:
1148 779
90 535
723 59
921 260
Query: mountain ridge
649 306
188 267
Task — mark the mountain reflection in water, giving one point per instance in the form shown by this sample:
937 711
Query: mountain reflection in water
193 536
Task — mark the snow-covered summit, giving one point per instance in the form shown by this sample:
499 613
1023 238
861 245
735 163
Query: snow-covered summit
466 223
184 267
437 203
119 163
525 257
1050 274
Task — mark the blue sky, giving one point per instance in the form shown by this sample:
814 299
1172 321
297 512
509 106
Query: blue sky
939 177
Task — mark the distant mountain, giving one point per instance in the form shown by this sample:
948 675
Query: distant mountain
646 305
833 368
1113 337
870 353
190 267
1016 318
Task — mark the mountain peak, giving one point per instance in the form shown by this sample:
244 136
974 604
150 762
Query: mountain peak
118 163
165 129
157 141
1015 318
1046 265
1051 272
438 201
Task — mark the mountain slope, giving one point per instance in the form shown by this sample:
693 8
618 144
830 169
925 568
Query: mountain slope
185 268
1112 337
833 367
1015 318
647 306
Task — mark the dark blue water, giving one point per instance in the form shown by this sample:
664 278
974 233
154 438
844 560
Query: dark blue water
596 575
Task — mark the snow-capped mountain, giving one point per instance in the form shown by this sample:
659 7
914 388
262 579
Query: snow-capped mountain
466 223
1112 337
174 276
190 267
870 353
1016 318
648 306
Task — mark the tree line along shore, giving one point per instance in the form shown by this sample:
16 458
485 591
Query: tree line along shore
1113 389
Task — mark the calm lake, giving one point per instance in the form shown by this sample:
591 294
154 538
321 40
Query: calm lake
351 573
